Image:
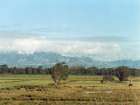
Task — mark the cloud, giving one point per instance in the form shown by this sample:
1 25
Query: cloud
95 49
30 45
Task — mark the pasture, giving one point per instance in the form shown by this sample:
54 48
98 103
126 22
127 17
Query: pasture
77 90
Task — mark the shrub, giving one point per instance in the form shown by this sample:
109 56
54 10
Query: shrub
122 73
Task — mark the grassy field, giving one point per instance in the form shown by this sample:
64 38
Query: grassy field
77 90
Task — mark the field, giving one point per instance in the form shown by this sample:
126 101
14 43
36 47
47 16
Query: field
77 90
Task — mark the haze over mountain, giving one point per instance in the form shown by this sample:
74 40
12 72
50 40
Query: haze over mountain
48 59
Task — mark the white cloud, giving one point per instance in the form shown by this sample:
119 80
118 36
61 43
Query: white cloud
96 49
25 45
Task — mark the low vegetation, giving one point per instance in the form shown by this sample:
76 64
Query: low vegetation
76 90
85 86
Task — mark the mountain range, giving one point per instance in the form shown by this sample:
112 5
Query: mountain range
48 59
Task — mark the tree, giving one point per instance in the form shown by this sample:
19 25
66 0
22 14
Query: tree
39 69
4 68
122 73
59 72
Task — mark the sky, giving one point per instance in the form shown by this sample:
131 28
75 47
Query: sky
101 29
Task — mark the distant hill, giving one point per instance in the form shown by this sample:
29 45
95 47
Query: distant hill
48 59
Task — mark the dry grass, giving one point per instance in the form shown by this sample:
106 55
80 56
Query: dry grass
77 90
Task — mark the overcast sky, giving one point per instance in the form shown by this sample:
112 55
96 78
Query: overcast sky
103 29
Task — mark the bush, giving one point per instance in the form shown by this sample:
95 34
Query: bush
122 73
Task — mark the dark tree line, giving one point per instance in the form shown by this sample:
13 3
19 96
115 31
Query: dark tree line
4 69
76 70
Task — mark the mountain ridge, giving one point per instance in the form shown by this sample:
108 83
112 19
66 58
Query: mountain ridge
49 58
